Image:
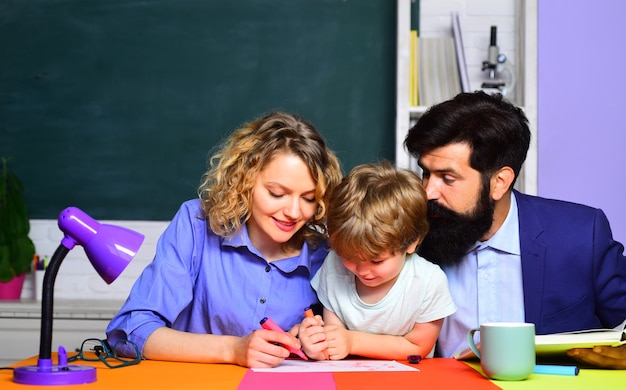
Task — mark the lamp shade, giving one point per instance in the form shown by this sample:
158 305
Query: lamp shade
109 248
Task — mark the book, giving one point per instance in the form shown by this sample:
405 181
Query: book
438 71
414 64
413 70
460 52
559 343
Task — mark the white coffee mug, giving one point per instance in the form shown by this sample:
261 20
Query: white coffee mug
507 349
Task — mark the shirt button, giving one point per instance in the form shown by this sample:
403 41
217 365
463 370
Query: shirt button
262 300
268 268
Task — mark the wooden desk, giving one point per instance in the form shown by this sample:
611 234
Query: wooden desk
439 373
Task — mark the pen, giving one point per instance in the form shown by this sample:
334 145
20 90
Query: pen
269 324
556 370
309 313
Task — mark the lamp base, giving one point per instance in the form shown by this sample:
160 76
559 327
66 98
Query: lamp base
54 375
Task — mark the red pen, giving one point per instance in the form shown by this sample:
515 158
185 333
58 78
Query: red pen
309 313
267 323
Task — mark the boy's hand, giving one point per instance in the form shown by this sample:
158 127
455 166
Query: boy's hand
312 337
339 341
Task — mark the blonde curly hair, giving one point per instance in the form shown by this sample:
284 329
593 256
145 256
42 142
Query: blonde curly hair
377 208
226 188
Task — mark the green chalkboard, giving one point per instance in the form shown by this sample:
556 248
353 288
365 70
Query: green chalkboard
113 106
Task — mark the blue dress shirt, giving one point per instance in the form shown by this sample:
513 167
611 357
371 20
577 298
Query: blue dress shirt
486 286
202 283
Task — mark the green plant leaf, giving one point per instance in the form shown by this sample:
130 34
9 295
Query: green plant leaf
16 248
6 269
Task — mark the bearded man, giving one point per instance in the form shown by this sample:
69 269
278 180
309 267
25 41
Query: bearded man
510 256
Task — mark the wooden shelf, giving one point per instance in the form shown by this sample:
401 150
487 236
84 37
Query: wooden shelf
416 111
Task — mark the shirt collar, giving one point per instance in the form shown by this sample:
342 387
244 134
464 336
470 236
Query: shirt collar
506 238
288 265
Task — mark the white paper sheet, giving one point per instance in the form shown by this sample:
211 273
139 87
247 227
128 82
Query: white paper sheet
290 365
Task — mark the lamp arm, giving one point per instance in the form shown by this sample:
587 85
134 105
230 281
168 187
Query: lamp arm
47 302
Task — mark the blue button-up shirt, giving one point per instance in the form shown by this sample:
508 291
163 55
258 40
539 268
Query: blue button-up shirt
202 283
486 286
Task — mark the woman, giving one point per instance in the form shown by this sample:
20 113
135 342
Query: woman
245 250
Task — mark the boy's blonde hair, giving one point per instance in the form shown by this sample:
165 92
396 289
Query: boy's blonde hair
376 209
226 188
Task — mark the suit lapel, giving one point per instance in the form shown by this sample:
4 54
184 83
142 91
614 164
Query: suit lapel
533 251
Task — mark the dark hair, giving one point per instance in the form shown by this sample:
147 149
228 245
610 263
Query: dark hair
496 131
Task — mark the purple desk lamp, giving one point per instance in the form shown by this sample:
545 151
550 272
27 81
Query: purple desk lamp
109 248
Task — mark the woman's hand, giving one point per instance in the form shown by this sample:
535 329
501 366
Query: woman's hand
260 348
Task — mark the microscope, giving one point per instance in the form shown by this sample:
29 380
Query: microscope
495 65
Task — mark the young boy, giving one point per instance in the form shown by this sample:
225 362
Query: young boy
381 300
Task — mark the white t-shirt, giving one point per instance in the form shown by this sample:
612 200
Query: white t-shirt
420 294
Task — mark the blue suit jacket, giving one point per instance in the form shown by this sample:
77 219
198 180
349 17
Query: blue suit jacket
574 273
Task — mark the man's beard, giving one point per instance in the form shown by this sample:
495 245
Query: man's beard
451 234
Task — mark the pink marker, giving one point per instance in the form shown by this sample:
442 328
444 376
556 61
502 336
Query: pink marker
267 323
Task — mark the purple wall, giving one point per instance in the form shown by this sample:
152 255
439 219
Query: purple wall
582 105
